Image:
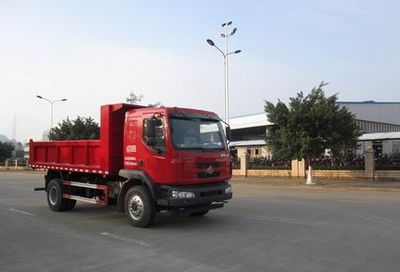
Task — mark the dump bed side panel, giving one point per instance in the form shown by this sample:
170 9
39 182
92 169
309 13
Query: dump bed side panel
81 156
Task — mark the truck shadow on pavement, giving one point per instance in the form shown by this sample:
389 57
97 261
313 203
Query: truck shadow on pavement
164 220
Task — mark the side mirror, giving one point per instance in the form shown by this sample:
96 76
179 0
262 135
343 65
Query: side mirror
228 133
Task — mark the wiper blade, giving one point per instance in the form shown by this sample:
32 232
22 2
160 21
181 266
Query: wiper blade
191 147
203 149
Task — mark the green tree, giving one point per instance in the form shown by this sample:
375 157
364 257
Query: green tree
81 128
6 150
309 125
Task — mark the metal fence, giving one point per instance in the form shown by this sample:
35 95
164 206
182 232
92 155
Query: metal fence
344 162
388 162
269 163
235 163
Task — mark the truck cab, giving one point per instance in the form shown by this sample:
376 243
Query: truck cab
184 155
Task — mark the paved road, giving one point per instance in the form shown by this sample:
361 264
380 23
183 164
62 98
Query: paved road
262 229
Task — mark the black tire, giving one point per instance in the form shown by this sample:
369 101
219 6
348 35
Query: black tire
198 214
140 208
54 197
69 204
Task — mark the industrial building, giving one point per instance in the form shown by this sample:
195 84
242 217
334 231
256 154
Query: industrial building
378 121
374 116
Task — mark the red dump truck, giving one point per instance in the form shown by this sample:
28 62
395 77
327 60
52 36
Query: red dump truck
147 160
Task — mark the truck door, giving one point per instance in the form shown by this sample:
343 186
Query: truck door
147 155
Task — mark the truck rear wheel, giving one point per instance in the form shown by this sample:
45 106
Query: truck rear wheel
140 208
54 197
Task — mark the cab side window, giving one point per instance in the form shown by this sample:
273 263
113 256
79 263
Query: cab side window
156 143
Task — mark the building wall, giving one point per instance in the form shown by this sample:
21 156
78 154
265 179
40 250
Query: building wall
396 146
381 112
371 126
388 147
258 151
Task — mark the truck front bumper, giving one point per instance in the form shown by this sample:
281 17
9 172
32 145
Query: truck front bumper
203 197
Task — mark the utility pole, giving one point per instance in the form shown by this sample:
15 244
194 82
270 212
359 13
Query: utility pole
52 102
226 34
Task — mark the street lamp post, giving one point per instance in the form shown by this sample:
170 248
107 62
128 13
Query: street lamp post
52 102
227 33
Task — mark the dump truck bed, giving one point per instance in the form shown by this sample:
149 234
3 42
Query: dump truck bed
103 156
78 156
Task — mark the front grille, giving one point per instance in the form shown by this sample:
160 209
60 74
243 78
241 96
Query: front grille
205 165
207 175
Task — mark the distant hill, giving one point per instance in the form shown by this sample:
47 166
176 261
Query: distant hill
3 138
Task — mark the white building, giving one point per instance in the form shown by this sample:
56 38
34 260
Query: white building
381 143
380 121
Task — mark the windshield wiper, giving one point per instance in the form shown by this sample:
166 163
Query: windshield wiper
203 149
191 147
214 148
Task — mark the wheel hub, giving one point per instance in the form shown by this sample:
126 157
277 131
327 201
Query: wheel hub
136 207
53 196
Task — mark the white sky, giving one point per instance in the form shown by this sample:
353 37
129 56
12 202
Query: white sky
96 52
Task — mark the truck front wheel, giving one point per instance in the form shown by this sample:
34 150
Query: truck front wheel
54 197
140 208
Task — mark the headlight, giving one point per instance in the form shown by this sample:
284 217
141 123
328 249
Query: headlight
179 194
228 190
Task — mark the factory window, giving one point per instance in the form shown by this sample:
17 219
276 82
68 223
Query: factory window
396 147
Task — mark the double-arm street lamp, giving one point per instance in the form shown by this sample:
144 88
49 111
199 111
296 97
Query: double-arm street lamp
52 102
227 33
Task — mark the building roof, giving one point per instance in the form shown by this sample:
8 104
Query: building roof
381 112
364 137
247 143
251 120
367 102
380 136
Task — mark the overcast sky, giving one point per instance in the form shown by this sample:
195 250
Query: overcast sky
96 52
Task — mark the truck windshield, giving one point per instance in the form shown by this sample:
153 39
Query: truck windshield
195 133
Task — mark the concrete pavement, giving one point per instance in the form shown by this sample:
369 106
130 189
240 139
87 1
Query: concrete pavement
264 228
